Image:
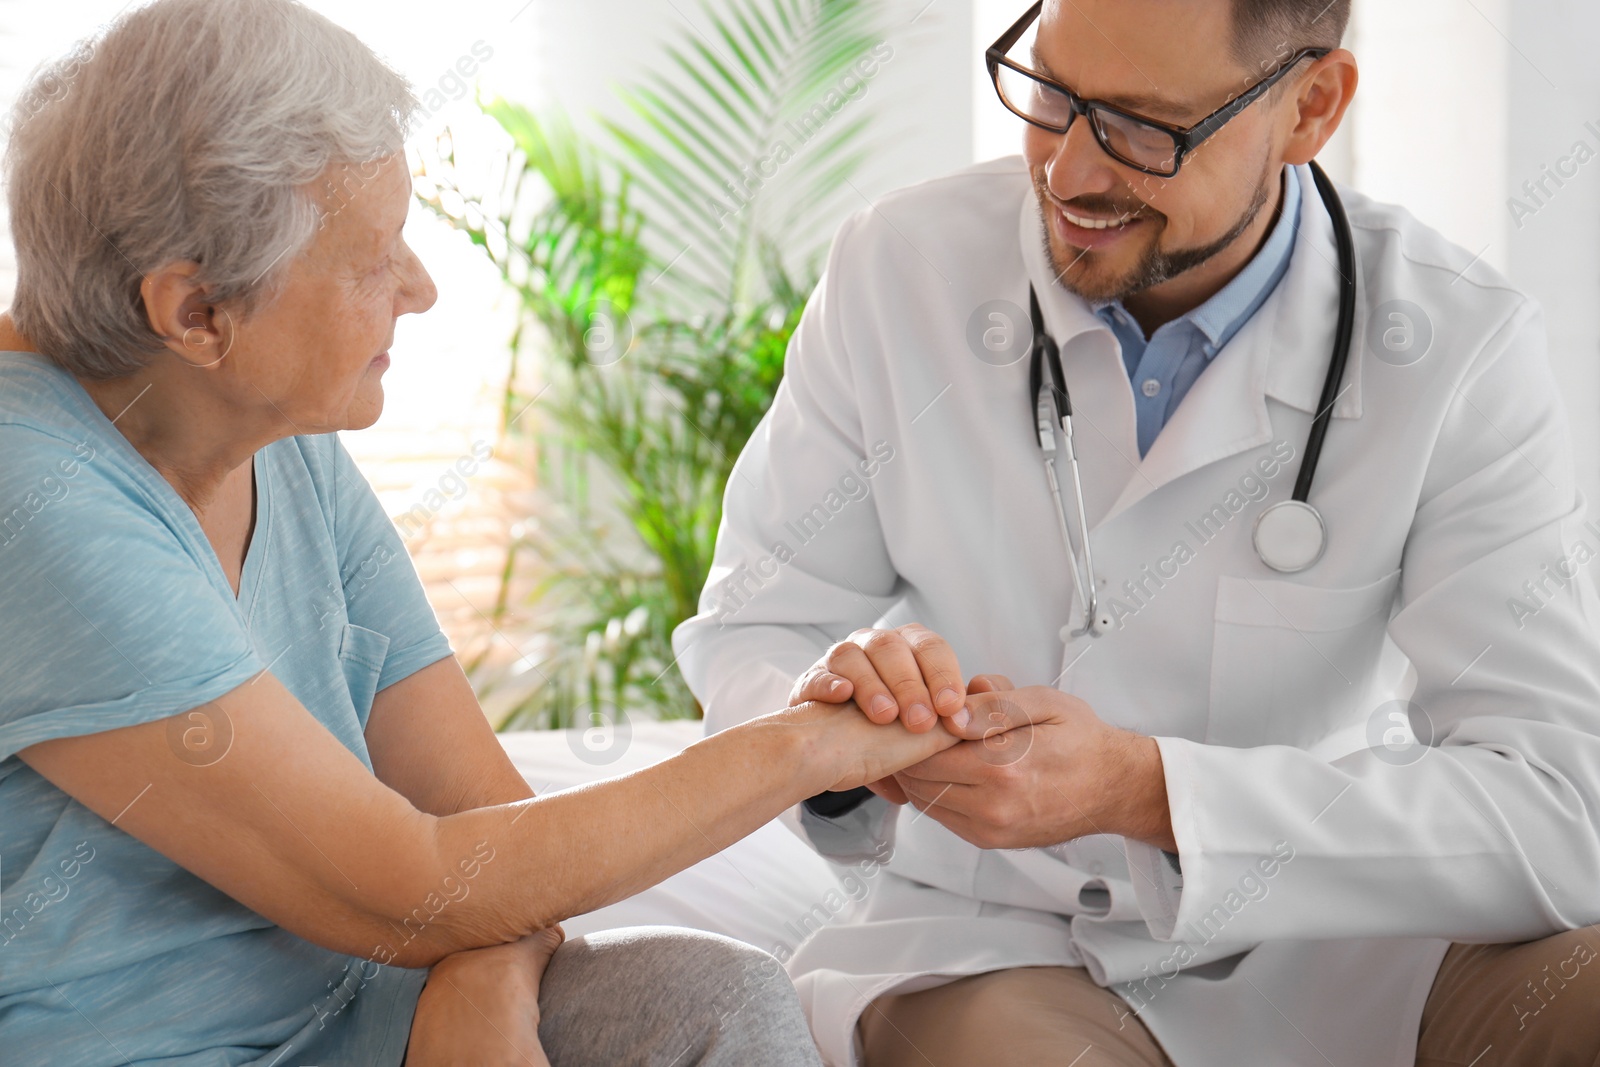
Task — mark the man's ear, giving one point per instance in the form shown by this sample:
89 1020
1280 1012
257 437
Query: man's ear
181 313
1321 99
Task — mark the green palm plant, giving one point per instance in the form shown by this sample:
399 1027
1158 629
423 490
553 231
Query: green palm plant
661 269
745 140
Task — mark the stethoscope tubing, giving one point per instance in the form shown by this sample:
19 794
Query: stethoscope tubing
1061 407
1046 355
1343 332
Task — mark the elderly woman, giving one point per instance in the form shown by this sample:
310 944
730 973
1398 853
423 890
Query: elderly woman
250 810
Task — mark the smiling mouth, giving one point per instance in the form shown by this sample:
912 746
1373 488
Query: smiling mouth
1084 222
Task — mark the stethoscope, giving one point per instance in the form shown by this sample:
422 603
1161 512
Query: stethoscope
1290 535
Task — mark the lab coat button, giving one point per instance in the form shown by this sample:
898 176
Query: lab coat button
1066 634
1150 387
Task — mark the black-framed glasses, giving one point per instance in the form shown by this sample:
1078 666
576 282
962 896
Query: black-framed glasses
1144 144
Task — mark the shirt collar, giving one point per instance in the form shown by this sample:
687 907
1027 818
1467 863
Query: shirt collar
1220 317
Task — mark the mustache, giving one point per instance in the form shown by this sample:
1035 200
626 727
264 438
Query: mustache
1096 204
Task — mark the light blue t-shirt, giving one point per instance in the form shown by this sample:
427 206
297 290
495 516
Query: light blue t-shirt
114 610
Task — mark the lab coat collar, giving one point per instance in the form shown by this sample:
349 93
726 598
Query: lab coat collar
1282 352
1300 342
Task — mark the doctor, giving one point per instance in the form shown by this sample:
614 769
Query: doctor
1324 793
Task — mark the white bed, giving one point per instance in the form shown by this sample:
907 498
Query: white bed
758 890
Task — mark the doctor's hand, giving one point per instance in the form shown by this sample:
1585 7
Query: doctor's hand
888 788
1037 767
909 672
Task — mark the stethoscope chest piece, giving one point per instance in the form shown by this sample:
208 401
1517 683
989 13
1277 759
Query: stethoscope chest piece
1290 536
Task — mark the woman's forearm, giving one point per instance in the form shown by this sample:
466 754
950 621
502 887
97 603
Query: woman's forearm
502 872
295 827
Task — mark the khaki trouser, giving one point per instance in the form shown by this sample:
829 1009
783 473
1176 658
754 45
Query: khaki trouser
1535 1004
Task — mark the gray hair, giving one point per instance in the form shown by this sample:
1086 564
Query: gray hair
187 130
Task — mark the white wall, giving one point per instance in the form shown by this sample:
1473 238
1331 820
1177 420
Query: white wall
1429 120
995 131
1554 97
1461 102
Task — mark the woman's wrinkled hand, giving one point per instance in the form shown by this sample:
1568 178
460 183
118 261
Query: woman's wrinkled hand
850 750
481 1006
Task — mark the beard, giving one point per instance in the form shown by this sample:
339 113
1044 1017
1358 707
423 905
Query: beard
1155 265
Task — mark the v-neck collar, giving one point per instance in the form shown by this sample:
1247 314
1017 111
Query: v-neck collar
260 536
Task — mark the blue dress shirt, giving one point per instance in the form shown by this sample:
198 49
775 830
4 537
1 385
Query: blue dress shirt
1163 368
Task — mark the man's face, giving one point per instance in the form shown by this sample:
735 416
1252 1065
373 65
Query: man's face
1167 60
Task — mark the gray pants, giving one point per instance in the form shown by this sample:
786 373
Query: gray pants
660 996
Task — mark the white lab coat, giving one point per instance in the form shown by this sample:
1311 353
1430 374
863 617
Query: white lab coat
897 478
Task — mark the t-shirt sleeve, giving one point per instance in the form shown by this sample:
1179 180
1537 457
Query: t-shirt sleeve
110 615
381 588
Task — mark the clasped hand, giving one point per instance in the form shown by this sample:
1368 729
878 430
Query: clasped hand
1035 766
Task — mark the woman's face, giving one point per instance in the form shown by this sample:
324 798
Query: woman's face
317 353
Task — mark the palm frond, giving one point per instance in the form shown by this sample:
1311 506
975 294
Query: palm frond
769 73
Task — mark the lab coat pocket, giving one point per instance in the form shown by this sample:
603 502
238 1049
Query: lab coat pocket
361 656
1290 662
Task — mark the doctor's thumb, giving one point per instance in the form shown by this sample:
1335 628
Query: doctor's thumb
990 683
994 713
